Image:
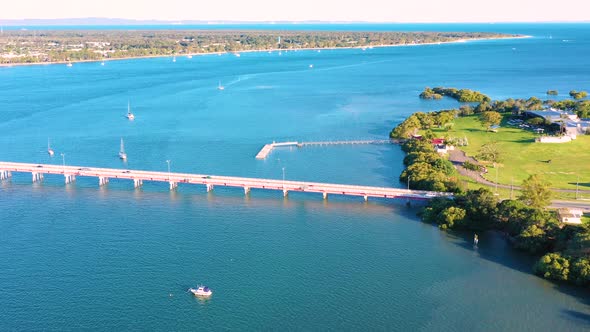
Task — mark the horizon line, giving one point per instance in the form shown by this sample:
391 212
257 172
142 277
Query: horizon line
132 21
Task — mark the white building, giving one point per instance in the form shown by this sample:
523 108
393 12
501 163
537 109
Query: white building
570 216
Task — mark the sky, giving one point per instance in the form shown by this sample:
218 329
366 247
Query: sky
302 10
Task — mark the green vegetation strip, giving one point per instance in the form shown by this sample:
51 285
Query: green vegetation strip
18 47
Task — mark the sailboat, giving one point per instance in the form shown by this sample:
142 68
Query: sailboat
122 153
174 59
220 87
129 115
49 149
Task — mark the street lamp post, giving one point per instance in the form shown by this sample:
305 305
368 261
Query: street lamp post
168 162
283 178
496 167
577 185
409 177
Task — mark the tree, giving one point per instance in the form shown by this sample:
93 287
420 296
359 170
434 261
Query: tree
451 216
580 271
481 206
483 107
490 118
532 239
536 121
535 192
407 128
578 94
553 266
490 152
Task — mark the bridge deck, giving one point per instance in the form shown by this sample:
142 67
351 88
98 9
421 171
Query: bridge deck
228 181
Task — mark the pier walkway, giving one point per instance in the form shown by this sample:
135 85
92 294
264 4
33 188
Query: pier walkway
268 147
210 181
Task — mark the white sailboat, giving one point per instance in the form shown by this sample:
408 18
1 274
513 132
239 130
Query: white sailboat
49 149
174 59
122 153
129 115
220 87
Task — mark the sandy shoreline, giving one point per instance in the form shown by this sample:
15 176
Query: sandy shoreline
250 51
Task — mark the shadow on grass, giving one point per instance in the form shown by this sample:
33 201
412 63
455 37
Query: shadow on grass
581 184
523 141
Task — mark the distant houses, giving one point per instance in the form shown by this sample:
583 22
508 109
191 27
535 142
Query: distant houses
440 146
568 122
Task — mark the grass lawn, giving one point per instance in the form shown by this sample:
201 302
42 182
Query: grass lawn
521 156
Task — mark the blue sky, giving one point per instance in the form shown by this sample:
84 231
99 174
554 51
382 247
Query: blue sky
300 10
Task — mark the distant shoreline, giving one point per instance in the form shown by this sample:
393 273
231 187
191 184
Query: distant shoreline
260 50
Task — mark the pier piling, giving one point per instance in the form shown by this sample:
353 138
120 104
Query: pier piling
102 180
37 176
5 175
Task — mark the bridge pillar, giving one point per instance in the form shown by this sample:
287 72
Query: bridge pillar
209 187
37 177
285 192
325 195
246 190
173 185
366 198
102 180
5 175
137 183
69 178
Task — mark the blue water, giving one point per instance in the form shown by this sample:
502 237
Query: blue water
81 257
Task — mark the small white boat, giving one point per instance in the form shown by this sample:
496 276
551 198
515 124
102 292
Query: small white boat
102 63
237 54
220 87
69 64
310 66
174 59
49 149
203 291
189 56
122 153
129 115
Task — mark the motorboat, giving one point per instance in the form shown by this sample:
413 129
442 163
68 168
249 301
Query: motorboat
202 291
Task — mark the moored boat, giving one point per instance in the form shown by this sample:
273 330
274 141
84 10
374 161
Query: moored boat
122 153
49 149
129 115
202 291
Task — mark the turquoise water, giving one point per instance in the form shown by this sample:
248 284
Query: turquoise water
81 257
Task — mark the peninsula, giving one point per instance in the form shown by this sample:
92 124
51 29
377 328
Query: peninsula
446 149
58 46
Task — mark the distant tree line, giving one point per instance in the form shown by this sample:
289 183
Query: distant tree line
71 45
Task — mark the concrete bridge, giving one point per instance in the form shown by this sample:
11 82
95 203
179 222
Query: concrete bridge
210 181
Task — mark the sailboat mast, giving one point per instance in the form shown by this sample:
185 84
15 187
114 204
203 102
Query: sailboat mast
122 147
